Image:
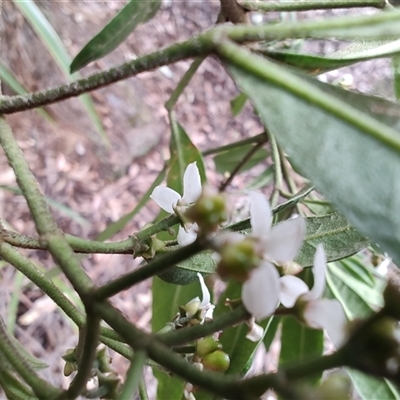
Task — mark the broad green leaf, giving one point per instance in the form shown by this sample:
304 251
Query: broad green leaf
355 52
371 388
359 270
116 31
355 161
227 161
166 300
238 103
300 343
262 180
339 238
56 48
9 78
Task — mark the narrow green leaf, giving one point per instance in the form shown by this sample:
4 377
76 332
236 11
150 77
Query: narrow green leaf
356 160
56 48
396 75
14 301
355 52
9 78
371 388
227 161
116 31
238 103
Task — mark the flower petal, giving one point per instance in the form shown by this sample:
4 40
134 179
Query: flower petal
319 274
165 197
206 297
290 289
328 315
191 184
285 239
186 237
260 214
260 294
255 333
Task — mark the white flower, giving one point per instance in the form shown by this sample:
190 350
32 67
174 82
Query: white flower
280 244
318 313
169 200
204 306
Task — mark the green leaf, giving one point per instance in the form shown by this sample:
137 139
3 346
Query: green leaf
371 388
227 161
56 48
396 75
238 103
355 52
116 31
339 238
166 300
355 160
300 343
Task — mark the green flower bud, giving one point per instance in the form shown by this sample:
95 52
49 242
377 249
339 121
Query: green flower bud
336 386
238 260
206 346
69 368
208 211
216 361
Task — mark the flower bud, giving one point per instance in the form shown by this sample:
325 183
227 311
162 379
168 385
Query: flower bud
206 346
208 211
216 361
238 260
335 386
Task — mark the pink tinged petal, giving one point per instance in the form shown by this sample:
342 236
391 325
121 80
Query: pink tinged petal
166 198
184 238
285 240
260 294
328 315
260 214
191 184
290 289
206 298
319 275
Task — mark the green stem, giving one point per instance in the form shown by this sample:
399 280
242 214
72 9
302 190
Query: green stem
239 166
80 245
309 5
277 170
265 70
287 173
13 387
143 391
185 335
44 221
40 387
194 47
134 376
187 77
260 138
91 333
156 266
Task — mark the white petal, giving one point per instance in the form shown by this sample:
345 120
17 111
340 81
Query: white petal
328 315
206 298
191 184
319 274
290 289
260 214
255 333
184 238
260 294
165 197
285 239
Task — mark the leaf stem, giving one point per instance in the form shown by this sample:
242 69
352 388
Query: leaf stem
278 177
